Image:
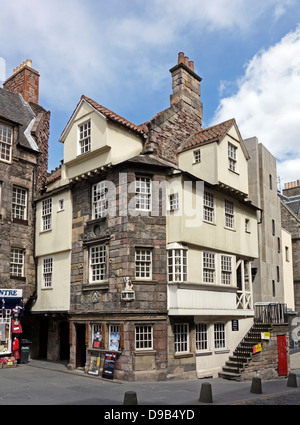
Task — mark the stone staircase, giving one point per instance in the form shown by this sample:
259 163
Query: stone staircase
243 353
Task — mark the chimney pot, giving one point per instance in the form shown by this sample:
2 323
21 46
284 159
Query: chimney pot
191 65
186 61
180 57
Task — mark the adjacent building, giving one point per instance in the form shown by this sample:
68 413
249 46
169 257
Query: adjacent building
24 132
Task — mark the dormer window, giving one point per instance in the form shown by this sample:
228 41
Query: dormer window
85 138
6 137
232 157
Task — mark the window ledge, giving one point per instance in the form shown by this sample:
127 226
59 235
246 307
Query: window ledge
103 350
183 355
222 351
95 286
203 353
20 278
144 352
20 221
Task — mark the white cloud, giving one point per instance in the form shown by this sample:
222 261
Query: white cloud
267 103
78 46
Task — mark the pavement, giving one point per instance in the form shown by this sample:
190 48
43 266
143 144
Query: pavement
43 382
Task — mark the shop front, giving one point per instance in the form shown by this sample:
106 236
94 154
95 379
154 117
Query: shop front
11 312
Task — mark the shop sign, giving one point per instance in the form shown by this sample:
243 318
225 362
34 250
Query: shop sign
11 293
257 348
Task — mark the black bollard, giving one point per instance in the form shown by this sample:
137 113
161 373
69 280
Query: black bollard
292 380
256 386
206 393
130 398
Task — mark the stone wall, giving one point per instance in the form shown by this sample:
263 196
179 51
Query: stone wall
265 363
121 234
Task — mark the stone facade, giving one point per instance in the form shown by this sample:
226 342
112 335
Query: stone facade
121 235
26 170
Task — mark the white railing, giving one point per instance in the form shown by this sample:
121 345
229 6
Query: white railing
244 300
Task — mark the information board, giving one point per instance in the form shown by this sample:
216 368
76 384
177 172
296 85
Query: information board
109 365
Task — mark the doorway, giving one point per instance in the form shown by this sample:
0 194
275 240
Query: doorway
80 346
282 355
64 352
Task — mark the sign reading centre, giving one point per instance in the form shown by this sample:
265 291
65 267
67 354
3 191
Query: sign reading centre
11 293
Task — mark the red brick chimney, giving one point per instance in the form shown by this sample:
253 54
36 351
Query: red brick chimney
25 80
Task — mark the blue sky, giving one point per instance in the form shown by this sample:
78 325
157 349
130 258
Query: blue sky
119 53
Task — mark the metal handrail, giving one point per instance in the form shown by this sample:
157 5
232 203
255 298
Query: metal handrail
270 313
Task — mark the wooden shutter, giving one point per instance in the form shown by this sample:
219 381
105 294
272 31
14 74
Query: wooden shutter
86 334
70 333
103 335
121 335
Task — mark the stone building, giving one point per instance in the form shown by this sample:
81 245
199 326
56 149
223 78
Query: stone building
290 216
126 262
24 132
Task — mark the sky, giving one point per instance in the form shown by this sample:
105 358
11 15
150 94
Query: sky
119 53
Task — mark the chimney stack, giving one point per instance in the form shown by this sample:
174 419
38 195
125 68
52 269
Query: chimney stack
186 85
25 80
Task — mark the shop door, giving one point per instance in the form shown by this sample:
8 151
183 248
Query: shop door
282 355
80 345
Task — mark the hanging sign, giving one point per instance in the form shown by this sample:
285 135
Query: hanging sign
109 365
256 348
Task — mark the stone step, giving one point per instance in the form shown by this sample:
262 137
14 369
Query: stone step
231 368
230 376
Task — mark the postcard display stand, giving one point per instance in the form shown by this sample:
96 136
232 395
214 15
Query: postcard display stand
6 358
10 328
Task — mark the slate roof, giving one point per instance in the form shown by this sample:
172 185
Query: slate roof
208 135
14 109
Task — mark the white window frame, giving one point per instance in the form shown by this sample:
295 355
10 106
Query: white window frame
208 207
174 201
181 338
202 337
143 193
143 263
177 257
99 201
209 267
17 261
197 156
113 328
232 157
6 141
96 328
60 204
226 269
229 214
219 336
84 137
247 225
47 272
143 337
98 263
19 203
46 214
